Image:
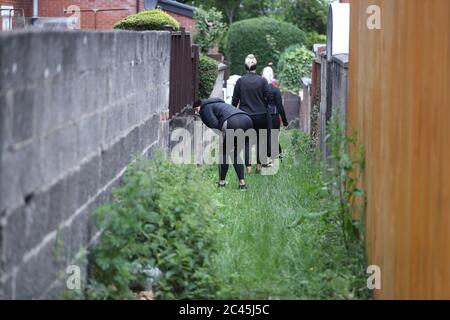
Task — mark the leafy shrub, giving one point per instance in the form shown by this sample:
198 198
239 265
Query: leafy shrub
209 27
147 20
295 63
313 38
345 166
264 37
161 217
209 70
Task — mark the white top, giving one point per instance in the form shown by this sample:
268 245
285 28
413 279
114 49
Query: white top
268 74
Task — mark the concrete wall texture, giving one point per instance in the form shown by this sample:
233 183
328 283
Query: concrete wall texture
75 107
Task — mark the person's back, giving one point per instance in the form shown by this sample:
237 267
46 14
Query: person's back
251 94
214 112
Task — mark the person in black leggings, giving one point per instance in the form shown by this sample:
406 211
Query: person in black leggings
252 94
277 113
216 114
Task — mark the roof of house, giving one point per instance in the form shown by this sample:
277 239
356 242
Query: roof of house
177 7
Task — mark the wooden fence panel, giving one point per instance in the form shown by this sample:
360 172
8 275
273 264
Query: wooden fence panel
184 64
399 100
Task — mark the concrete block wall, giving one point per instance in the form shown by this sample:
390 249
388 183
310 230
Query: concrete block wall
75 107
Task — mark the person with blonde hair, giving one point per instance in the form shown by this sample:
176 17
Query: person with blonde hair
268 72
252 95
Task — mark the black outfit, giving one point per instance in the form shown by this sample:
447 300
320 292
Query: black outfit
279 104
277 111
253 95
215 113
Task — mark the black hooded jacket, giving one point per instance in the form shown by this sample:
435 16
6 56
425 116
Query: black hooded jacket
214 112
253 94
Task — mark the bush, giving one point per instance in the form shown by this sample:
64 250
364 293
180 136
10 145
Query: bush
209 27
264 37
161 217
295 63
313 38
147 20
209 70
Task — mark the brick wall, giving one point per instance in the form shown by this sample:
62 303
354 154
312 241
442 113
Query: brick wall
105 20
186 22
27 5
75 108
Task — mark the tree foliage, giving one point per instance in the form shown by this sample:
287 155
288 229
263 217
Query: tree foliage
308 15
230 8
295 63
209 27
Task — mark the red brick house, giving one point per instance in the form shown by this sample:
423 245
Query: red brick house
183 13
94 14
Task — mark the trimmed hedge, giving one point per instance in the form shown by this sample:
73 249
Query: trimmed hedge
147 20
209 70
264 37
295 63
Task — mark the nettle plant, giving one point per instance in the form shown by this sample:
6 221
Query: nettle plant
345 166
158 231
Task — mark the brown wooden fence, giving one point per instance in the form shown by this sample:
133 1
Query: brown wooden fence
184 74
399 100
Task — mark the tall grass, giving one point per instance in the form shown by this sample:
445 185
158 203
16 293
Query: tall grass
273 243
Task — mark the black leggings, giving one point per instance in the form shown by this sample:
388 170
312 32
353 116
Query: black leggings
238 121
259 122
276 124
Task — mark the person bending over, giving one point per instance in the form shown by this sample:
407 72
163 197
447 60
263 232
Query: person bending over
216 114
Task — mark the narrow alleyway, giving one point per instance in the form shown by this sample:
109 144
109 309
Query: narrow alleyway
273 243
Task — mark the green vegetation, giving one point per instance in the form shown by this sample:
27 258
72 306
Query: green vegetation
295 63
346 163
313 38
264 37
210 28
280 239
148 20
287 237
163 216
308 15
208 71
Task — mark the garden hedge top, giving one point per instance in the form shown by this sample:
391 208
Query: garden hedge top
148 20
